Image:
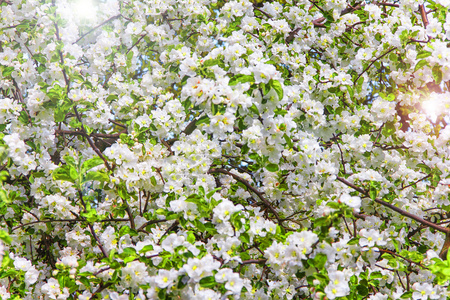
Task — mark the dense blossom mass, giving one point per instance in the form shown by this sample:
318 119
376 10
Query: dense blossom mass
193 149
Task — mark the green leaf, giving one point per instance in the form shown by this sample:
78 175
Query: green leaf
111 254
359 84
288 140
129 251
63 173
85 281
4 236
437 74
146 249
91 163
73 174
129 259
199 225
124 230
241 78
435 178
333 205
191 237
276 85
353 241
244 256
96 175
272 167
7 71
208 282
211 62
6 260
254 109
202 120
322 221
320 260
3 198
421 64
423 54
70 161
373 189
362 290
123 192
245 237
424 167
91 215
211 193
406 295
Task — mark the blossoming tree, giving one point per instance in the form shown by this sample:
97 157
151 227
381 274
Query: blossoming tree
197 149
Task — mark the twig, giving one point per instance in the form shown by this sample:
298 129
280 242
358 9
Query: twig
91 143
250 187
376 59
402 257
96 27
386 4
150 223
399 210
423 14
342 156
91 228
415 182
117 123
137 42
65 220
379 133
253 261
130 215
263 12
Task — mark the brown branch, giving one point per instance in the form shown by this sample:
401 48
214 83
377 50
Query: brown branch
137 42
130 215
101 288
399 210
423 14
263 12
150 223
402 257
91 228
158 171
146 201
91 143
99 135
354 43
379 133
66 79
376 59
342 155
65 220
167 146
250 187
386 4
117 123
415 182
96 27
20 98
253 261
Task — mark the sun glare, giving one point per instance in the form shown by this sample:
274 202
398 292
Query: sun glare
433 106
85 9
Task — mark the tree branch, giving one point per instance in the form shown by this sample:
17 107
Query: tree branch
96 27
399 210
250 187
